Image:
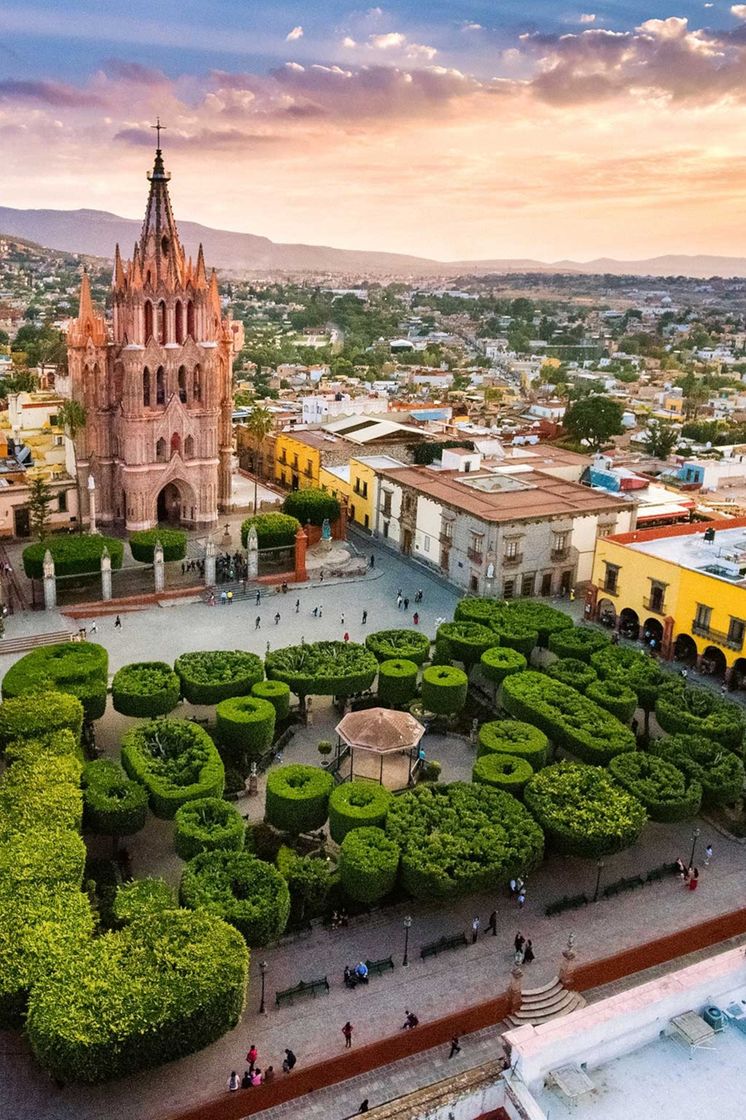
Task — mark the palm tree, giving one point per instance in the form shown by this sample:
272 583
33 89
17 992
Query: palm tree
259 423
71 416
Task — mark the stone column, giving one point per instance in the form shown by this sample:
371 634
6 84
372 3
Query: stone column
301 543
567 965
92 504
341 525
515 988
252 554
105 575
50 583
667 640
591 602
159 568
210 551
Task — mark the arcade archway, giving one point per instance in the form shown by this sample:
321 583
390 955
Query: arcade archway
175 504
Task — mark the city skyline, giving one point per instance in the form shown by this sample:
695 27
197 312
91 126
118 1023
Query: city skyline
581 131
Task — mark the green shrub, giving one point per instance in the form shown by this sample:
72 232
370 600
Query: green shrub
368 864
143 898
32 717
719 771
474 609
632 668
72 555
461 838
580 642
500 662
443 689
357 805
54 744
242 890
511 736
143 542
309 880
397 682
682 710
145 688
615 696
207 824
582 811
273 530
112 803
519 623
666 793
466 641
78 668
323 668
41 793
245 727
135 998
502 771
277 693
209 676
574 673
512 634
314 506
570 720
399 645
297 798
55 856
175 760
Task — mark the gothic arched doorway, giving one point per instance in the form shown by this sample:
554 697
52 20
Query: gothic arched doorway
175 504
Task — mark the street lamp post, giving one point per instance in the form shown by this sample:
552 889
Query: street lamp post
695 837
263 969
407 924
599 868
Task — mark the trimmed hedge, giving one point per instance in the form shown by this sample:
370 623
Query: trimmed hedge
297 798
54 744
520 623
570 720
112 803
511 736
145 688
211 675
40 793
399 645
681 710
357 805
245 727
443 689
667 794
502 771
207 824
241 889
79 668
273 530
143 542
175 760
323 668
574 673
632 668
397 682
615 696
580 642
311 505
719 771
73 555
55 856
152 992
368 865
277 693
466 641
460 838
582 811
500 662
476 609
143 898
32 717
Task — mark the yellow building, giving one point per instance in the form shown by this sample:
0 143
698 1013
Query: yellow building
336 481
298 459
681 586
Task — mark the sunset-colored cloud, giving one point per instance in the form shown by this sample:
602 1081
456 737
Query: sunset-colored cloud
294 35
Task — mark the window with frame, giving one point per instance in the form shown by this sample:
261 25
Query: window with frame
475 543
560 541
527 585
511 549
387 495
703 616
611 578
736 631
509 589
447 530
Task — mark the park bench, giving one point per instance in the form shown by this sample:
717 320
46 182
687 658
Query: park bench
567 902
377 968
443 944
287 995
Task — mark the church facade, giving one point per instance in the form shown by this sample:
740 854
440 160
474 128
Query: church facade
155 382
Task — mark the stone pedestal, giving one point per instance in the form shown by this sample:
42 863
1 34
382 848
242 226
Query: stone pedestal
567 964
301 544
50 582
159 568
252 554
515 988
210 551
105 575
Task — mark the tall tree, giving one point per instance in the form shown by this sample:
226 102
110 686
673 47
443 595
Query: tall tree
260 423
660 439
594 419
40 498
71 416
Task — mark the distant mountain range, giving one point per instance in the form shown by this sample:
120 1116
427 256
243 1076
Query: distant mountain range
95 233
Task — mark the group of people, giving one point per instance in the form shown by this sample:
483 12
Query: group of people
689 875
356 975
523 949
253 1075
518 891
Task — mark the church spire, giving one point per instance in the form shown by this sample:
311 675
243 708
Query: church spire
85 306
160 248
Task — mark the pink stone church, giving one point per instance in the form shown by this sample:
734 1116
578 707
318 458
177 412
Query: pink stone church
156 383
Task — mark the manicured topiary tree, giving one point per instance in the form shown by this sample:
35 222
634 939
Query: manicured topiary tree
144 541
211 675
297 797
570 671
245 727
40 795
241 889
664 790
466 641
579 642
444 689
475 609
397 682
502 771
80 668
614 696
635 670
533 615
309 880
145 688
273 530
395 645
500 662
461 838
513 633
683 710
323 668
582 811
513 737
175 760
31 716
72 555
142 899
277 693
719 771
311 506
357 805
113 804
368 864
208 824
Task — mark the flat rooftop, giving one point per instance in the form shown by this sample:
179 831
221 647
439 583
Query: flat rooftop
723 558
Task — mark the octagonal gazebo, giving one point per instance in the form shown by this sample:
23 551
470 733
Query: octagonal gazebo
378 744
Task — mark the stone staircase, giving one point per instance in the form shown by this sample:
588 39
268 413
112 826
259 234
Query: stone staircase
23 645
539 1005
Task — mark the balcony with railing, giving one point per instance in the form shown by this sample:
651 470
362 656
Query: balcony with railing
719 637
557 555
475 555
513 561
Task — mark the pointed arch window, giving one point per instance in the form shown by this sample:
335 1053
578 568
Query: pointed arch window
148 320
182 384
162 333
175 443
189 447
197 384
160 386
146 387
160 450
179 322
190 320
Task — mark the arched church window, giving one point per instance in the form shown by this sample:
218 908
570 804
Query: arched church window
190 320
179 321
175 443
197 384
160 450
189 447
148 320
162 323
160 386
146 387
182 384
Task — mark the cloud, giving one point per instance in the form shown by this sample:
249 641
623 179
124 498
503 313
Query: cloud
203 139
471 27
134 72
738 10
54 94
294 35
588 17
391 40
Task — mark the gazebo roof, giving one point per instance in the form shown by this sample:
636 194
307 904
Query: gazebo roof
380 730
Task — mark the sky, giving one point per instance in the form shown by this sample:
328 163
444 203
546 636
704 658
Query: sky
454 130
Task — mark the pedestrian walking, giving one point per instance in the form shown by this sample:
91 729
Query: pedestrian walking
416 618
513 888
528 952
518 942
372 560
492 923
572 594
258 598
406 604
269 646
346 637
230 598
475 923
277 619
234 1082
297 606
118 626
341 620
257 623
252 1056
94 628
347 1032
693 878
708 855
455 1048
365 617
321 612
289 1061
521 898
364 1106
399 601
315 612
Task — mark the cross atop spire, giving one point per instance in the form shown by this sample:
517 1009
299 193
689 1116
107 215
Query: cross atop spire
159 128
